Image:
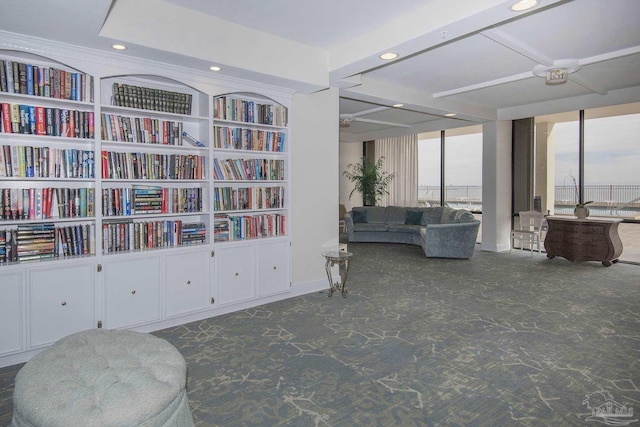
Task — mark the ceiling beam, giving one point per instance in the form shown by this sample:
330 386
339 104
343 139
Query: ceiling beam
518 46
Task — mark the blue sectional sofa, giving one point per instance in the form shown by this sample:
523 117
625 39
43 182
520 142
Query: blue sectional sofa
442 232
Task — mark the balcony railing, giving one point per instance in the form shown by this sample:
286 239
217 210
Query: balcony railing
608 200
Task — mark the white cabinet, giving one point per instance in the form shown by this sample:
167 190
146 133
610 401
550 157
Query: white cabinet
121 186
61 302
131 291
273 268
235 274
186 282
11 312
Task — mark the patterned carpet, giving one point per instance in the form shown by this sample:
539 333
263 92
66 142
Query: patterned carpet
498 340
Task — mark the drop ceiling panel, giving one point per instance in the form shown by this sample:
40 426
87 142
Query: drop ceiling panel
580 28
321 24
467 61
522 92
615 74
356 127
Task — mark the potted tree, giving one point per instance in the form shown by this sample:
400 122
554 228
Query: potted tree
369 180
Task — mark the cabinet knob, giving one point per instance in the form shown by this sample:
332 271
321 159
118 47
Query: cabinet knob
188 282
274 267
133 292
63 303
236 274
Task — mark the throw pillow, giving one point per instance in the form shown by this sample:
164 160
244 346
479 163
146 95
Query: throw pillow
413 217
463 216
359 217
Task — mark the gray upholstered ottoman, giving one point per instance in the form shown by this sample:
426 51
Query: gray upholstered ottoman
103 377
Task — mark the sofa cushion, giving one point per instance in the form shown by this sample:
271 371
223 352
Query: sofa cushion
395 215
413 217
370 227
463 216
359 216
431 216
376 214
448 215
403 228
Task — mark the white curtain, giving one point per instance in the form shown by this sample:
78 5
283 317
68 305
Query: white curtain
401 158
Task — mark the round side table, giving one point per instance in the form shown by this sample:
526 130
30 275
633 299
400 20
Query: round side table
341 258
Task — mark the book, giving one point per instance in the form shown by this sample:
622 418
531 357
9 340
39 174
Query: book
29 79
6 118
3 76
192 140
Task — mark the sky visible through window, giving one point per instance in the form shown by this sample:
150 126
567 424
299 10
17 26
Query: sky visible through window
612 154
463 156
612 150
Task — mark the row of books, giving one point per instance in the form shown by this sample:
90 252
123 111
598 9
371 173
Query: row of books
248 139
44 203
141 129
49 82
151 200
249 198
234 227
248 169
46 241
127 235
45 121
128 165
44 162
242 110
125 95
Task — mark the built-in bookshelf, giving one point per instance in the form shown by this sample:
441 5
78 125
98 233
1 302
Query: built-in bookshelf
134 200
249 168
155 164
47 161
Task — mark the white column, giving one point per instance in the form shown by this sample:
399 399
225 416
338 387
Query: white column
496 186
545 165
314 142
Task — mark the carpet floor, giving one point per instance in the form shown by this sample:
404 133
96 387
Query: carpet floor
499 340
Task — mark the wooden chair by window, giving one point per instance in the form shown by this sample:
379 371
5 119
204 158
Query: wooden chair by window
341 224
529 231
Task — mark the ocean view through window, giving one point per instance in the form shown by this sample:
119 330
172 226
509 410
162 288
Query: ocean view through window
611 171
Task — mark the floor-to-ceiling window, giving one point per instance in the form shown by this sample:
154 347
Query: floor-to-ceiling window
429 158
451 160
564 138
463 168
612 163
608 176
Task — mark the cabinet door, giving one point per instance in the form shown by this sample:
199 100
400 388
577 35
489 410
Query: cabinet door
273 268
61 302
11 312
234 274
132 291
186 282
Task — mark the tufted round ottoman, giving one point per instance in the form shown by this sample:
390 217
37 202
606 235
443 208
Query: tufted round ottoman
103 377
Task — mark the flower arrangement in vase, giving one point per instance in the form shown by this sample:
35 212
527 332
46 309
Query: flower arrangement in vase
581 211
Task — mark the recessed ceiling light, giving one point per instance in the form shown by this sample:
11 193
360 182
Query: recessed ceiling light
215 68
522 5
397 105
450 114
118 47
388 55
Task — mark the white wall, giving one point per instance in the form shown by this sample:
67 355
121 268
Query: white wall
314 182
350 152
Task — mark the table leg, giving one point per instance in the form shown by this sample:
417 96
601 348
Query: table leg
327 267
343 270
